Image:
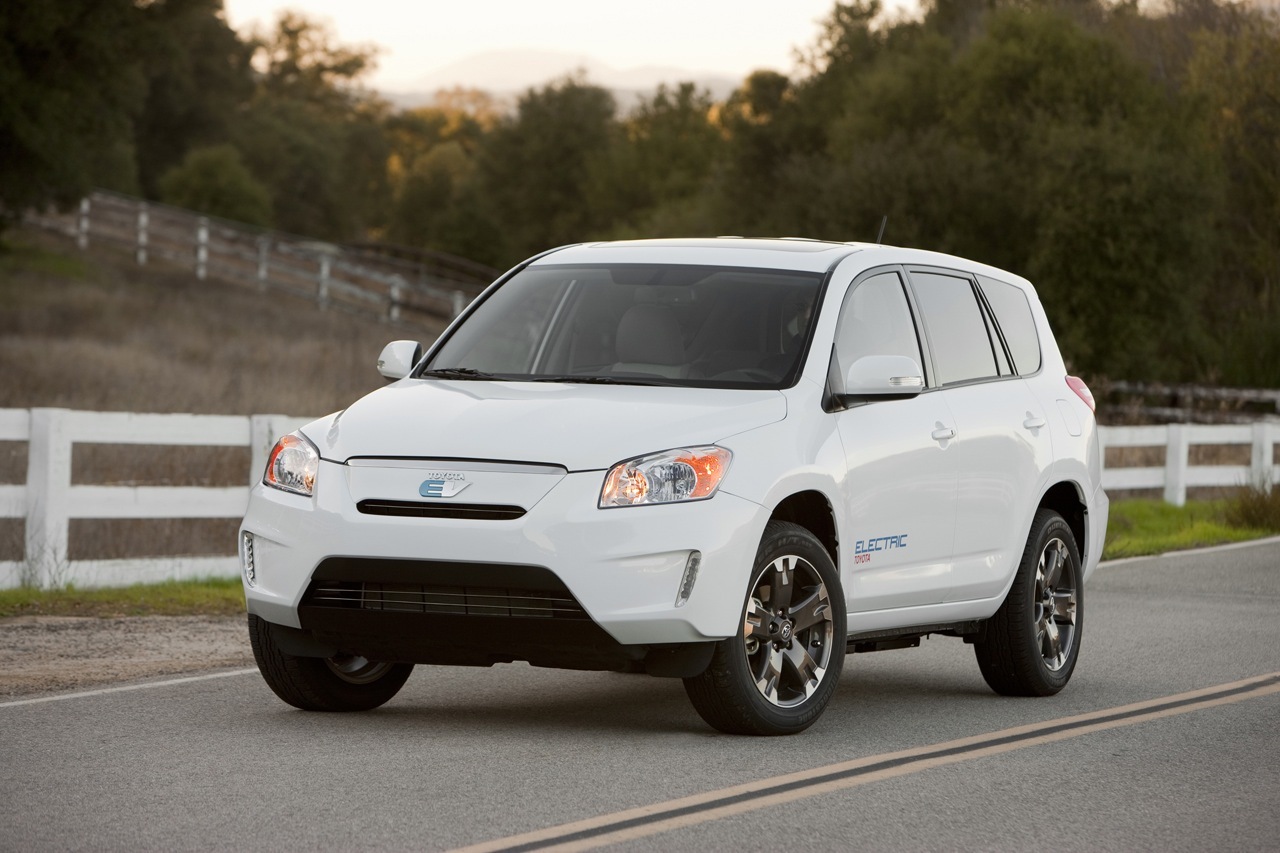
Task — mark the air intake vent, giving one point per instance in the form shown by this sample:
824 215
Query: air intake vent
435 509
466 601
459 589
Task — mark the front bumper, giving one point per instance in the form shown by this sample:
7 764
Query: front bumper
623 566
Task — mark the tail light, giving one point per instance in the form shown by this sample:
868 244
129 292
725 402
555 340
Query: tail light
1083 392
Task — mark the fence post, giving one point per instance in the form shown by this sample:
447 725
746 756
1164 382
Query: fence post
82 224
264 254
393 300
48 481
264 432
322 294
202 248
1262 462
1175 465
141 252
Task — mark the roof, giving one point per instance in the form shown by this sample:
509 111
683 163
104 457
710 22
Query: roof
788 254
785 253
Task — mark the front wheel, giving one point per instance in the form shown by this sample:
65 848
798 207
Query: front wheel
340 683
776 676
1030 646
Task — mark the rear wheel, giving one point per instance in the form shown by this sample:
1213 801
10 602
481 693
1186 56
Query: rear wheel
1030 646
776 676
340 683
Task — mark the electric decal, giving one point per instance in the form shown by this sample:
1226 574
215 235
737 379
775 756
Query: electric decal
863 549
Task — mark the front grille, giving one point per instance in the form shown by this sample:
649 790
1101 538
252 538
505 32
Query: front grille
458 600
420 509
441 587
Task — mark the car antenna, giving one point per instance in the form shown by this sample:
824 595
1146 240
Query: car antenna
883 222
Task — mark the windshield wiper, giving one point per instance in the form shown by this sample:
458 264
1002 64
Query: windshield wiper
456 373
601 380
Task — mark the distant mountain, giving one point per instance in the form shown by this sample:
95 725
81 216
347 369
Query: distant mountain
507 73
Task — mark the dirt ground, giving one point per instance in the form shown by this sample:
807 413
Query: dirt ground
40 654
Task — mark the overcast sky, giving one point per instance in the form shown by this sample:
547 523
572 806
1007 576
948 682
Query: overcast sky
724 37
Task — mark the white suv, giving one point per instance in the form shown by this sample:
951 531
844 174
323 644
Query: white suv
729 461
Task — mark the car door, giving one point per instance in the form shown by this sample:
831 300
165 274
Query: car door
899 492
1003 446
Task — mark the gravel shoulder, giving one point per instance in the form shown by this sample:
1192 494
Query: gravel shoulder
41 654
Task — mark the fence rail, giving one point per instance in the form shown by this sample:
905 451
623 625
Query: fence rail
48 501
400 287
1177 474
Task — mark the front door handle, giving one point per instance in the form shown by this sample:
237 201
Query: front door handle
943 433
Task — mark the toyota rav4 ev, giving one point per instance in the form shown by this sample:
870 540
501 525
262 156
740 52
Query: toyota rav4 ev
730 461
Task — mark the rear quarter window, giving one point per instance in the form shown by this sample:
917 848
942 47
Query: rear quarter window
1013 313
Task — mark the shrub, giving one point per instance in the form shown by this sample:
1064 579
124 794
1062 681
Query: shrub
215 181
1257 506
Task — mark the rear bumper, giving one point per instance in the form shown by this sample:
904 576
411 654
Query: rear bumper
1099 512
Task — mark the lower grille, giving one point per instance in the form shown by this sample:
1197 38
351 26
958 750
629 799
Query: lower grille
441 587
458 600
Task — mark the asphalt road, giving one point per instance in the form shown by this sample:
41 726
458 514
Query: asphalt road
463 756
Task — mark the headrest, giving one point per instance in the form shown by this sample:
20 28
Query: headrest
650 334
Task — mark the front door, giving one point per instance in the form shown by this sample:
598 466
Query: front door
900 486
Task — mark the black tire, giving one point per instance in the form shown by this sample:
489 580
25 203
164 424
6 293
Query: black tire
1031 645
776 676
342 683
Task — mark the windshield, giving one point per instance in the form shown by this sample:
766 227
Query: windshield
695 326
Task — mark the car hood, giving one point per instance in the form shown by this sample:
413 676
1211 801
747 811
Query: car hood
580 427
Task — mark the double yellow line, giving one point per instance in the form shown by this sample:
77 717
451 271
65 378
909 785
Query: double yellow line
725 802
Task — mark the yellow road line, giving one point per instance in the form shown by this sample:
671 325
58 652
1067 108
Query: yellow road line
724 802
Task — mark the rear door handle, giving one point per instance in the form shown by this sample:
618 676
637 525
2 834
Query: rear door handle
1033 421
943 434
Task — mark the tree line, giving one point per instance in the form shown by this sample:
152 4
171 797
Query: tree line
1125 158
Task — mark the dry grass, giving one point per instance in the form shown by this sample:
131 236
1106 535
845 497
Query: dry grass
96 332
102 334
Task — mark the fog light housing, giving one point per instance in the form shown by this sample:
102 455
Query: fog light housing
690 577
246 559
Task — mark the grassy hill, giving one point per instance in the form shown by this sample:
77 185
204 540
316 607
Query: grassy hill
95 331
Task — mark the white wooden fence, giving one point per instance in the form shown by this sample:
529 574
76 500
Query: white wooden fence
1177 475
48 500
407 289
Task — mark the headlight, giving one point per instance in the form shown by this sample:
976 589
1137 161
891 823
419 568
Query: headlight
686 474
292 465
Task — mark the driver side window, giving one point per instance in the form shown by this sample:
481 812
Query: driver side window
876 320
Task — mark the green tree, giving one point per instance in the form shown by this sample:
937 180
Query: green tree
535 168
71 85
197 76
649 180
1112 194
215 181
313 135
1236 78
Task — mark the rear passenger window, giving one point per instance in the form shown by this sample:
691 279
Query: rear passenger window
961 348
1013 313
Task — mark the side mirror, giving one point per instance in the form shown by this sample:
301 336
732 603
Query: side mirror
398 358
884 376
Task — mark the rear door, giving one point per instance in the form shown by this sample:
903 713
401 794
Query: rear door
1002 447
